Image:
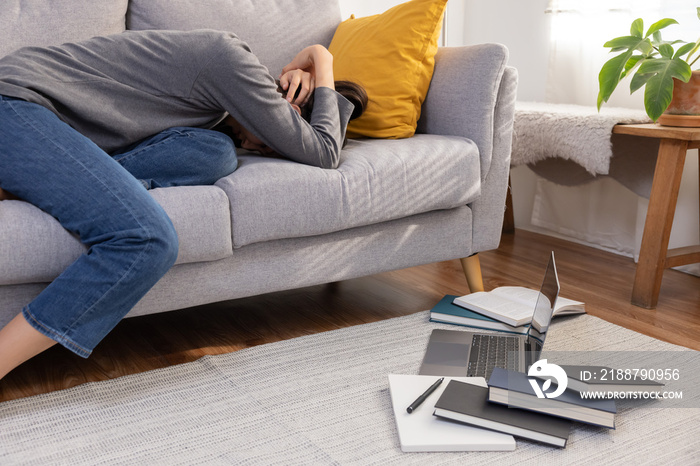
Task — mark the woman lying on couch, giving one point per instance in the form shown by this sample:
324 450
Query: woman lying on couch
85 128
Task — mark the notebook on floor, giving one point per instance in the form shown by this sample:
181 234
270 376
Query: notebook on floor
458 353
421 431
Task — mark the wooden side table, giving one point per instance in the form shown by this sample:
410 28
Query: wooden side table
654 255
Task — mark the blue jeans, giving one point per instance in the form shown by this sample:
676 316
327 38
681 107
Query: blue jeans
131 240
179 157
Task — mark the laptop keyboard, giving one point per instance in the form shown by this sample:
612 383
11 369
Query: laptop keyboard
489 351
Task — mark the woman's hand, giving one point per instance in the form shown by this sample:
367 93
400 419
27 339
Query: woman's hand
298 80
317 61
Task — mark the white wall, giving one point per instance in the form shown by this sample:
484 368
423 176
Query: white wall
520 25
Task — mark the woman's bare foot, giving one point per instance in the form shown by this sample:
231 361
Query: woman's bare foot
19 342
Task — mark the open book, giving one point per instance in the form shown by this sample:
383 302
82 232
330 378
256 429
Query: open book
514 305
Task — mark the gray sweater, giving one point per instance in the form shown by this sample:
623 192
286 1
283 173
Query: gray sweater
119 89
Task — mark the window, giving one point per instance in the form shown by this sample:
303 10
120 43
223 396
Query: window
580 28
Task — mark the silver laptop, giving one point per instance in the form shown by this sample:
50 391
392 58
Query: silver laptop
460 353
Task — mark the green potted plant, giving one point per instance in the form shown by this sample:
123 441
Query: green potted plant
659 64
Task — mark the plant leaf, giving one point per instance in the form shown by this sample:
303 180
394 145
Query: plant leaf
610 75
658 41
628 42
675 68
665 42
659 86
692 52
630 65
685 49
660 25
657 97
617 67
638 80
637 28
666 50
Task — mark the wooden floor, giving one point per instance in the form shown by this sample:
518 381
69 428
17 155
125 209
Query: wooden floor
600 279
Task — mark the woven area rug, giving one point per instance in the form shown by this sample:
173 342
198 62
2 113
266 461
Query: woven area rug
319 399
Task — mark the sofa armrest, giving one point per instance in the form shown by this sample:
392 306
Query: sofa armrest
472 95
461 100
488 210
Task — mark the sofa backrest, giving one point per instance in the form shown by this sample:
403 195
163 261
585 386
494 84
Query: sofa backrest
49 22
275 29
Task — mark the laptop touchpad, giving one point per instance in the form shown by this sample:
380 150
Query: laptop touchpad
447 354
445 358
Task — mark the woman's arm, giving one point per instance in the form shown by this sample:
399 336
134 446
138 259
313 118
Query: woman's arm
318 61
236 82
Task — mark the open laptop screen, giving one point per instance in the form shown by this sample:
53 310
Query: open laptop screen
544 309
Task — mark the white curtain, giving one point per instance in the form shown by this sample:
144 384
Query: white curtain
593 213
579 28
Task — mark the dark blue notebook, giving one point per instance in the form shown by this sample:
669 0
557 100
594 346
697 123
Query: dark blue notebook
447 312
515 390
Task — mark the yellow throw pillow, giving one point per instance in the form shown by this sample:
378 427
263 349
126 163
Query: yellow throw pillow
392 55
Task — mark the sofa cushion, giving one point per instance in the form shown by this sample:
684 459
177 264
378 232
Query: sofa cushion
377 181
280 30
393 56
34 247
54 22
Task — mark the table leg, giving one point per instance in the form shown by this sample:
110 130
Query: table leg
659 220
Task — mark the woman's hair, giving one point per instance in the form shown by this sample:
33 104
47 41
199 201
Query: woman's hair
355 93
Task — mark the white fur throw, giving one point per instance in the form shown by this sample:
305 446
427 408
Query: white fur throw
573 132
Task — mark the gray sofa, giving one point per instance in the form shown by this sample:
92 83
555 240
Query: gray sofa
274 224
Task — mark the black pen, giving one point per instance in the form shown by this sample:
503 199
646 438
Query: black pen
425 395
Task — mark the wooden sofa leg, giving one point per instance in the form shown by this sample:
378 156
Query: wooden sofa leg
472 270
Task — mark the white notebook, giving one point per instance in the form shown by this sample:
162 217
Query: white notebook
422 431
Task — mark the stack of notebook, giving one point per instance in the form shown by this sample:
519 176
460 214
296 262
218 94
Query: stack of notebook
506 309
470 405
514 389
489 414
510 405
